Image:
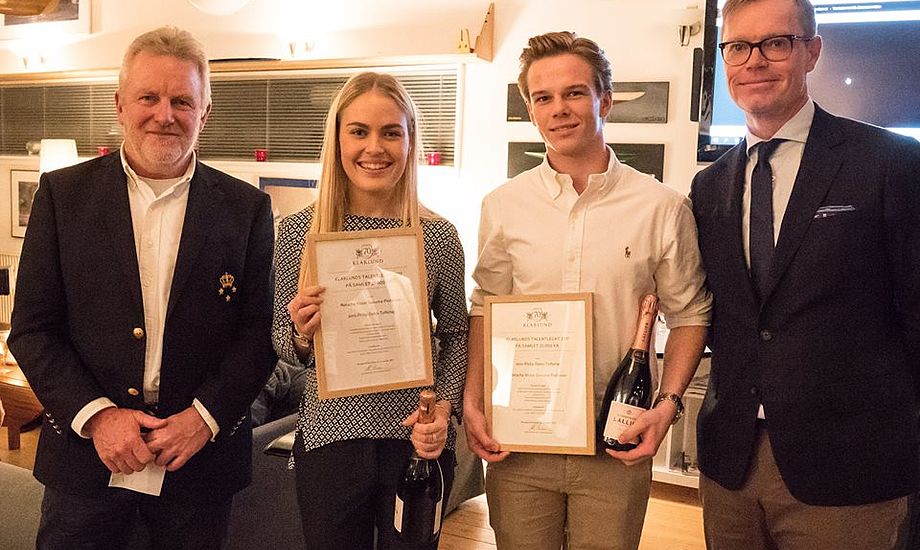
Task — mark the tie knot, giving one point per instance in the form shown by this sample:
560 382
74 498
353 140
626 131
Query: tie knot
765 150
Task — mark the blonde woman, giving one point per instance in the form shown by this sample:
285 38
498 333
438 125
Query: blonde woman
349 451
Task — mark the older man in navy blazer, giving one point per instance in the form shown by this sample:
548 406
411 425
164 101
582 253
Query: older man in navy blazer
142 320
810 235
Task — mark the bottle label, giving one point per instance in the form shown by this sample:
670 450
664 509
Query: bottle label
437 507
619 417
398 514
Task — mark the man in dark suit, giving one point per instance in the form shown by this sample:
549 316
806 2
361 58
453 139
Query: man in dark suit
142 320
810 235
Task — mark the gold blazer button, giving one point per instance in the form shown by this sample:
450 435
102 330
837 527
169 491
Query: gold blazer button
138 333
133 392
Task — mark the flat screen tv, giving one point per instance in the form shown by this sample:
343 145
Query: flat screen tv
868 70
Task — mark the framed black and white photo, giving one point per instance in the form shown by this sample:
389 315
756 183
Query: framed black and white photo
23 184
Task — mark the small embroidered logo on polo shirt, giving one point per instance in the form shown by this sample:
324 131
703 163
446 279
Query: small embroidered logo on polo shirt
627 253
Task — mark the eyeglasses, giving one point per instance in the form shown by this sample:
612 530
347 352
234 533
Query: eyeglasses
774 48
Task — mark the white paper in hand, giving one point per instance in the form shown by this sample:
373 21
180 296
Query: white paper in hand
148 481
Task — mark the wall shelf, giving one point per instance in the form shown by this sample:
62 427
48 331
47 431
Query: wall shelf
483 52
220 68
680 442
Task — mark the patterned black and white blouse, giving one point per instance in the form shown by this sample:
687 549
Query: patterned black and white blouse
378 415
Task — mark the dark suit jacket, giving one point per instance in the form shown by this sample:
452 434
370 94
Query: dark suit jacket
833 350
78 303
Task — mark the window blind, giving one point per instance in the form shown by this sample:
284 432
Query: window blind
276 111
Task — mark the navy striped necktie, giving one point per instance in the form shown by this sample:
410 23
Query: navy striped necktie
761 219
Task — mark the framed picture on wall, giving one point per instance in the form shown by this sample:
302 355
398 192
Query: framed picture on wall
288 195
23 184
64 17
647 158
633 102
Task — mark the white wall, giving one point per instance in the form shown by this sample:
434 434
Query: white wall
639 37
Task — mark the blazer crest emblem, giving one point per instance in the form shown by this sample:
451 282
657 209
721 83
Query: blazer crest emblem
226 289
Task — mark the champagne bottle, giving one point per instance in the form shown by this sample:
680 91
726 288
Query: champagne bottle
420 490
629 391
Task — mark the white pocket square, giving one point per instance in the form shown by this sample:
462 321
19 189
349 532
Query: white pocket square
833 210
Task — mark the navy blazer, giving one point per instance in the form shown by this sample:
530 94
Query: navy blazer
78 309
833 349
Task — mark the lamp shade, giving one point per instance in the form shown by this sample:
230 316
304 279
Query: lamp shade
57 153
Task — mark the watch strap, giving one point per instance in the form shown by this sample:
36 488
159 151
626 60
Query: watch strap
674 398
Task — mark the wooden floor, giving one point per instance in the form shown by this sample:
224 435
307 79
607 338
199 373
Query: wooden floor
24 457
674 520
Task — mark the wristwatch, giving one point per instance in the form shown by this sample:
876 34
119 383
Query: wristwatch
674 398
301 341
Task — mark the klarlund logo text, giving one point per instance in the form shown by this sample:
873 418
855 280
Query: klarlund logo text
537 317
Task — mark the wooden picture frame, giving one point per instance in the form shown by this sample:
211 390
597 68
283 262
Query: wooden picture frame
375 333
539 373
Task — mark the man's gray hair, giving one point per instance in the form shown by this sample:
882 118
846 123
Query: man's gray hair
174 42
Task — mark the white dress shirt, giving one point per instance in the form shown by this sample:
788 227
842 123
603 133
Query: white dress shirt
626 235
785 165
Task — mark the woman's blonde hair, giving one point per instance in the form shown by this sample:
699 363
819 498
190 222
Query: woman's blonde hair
330 207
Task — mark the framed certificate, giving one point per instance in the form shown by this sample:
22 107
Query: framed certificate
539 374
375 332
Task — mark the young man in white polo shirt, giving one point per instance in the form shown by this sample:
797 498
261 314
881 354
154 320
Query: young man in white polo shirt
583 222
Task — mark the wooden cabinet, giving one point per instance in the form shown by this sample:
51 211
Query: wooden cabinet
22 407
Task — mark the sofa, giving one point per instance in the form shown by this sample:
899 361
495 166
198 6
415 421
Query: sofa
20 507
264 515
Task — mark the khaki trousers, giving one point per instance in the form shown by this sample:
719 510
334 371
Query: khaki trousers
763 515
542 501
